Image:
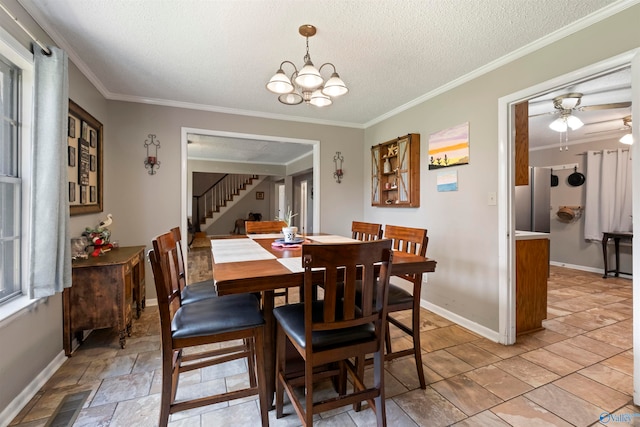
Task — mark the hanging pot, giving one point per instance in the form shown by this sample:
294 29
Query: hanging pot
554 179
576 179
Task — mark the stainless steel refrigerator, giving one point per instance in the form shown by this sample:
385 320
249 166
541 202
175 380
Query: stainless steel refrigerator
533 202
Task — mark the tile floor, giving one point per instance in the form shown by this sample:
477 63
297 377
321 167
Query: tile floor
576 369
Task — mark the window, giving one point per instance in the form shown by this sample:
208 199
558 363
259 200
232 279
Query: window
16 128
10 182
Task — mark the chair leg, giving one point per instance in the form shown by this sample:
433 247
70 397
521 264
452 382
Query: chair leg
265 401
387 337
308 383
378 381
417 350
360 361
281 344
166 397
251 364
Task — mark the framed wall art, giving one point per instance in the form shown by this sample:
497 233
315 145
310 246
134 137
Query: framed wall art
84 169
449 147
259 195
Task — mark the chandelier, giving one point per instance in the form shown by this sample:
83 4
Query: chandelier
306 84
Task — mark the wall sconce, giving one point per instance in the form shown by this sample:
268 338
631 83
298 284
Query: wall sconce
151 162
337 160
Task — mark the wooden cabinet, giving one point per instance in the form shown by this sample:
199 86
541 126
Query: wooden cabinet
102 292
532 271
522 144
395 172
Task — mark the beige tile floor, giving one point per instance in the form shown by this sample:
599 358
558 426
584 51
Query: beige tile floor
576 369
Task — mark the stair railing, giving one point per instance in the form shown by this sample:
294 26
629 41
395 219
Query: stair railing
217 195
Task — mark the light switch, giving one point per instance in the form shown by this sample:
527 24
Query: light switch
491 199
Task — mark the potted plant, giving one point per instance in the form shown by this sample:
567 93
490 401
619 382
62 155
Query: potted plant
289 231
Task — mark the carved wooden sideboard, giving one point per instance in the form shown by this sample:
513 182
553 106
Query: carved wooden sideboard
102 292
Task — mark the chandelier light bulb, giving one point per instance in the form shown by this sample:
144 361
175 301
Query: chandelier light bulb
309 77
334 86
280 83
319 99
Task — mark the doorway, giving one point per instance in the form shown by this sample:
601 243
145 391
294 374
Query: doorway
506 215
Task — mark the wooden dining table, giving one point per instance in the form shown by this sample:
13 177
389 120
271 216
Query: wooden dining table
243 264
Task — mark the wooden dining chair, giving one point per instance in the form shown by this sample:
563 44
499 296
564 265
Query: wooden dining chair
264 227
194 291
335 329
268 227
366 231
415 241
201 323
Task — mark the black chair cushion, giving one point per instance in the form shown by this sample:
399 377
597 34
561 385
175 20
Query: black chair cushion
199 291
397 295
216 315
291 318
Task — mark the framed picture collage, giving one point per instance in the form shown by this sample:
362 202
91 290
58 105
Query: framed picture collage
84 161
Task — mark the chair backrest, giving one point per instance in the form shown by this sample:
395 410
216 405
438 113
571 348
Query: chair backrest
264 227
165 246
180 266
167 288
366 231
343 266
410 240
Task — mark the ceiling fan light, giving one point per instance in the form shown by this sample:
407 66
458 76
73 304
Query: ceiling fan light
570 103
574 122
293 98
334 86
627 139
559 125
280 83
309 77
319 99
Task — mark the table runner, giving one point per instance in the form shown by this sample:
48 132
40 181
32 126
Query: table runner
332 239
236 250
266 236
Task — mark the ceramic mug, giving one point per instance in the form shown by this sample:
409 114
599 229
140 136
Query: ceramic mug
289 233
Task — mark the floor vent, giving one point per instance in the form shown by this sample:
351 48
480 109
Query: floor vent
68 410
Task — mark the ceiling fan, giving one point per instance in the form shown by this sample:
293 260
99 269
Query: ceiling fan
566 104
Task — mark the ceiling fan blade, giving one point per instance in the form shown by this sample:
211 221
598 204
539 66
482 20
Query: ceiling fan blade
605 106
608 131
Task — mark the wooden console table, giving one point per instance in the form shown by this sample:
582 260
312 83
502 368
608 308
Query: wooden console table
616 236
103 289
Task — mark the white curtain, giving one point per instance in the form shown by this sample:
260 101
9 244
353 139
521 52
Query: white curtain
50 248
608 201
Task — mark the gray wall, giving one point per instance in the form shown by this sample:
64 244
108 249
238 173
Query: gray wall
463 228
568 245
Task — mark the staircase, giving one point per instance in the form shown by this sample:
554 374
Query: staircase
220 197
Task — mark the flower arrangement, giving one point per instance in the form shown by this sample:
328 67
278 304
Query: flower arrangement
288 217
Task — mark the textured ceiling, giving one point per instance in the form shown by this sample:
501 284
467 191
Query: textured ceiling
218 54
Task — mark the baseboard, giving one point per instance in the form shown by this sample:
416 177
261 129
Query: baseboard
16 405
462 321
151 302
585 268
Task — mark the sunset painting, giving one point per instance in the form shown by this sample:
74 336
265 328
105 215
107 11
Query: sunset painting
449 147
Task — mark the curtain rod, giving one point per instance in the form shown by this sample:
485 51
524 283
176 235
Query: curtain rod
44 48
601 151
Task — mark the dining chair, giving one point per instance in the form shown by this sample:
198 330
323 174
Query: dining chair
268 227
201 323
194 291
264 227
334 329
366 231
415 241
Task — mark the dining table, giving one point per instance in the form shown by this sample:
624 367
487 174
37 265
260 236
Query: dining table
262 263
